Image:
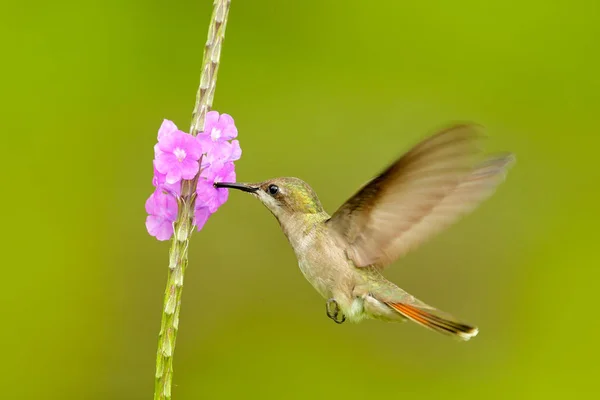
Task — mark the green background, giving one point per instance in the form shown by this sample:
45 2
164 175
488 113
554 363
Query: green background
331 92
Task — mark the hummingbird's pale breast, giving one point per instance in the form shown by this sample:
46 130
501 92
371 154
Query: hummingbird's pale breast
316 253
326 266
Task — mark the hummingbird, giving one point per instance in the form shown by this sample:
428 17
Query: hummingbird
343 255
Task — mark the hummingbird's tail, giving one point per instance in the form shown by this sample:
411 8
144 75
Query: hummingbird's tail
434 319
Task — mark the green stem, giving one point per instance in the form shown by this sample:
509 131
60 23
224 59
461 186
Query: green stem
210 64
183 227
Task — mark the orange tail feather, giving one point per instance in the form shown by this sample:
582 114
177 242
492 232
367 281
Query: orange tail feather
432 319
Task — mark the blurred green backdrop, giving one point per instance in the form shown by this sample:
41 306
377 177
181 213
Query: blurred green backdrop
329 91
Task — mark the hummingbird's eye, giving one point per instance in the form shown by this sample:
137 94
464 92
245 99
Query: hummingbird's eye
273 189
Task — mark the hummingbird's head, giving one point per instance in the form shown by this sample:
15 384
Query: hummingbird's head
282 196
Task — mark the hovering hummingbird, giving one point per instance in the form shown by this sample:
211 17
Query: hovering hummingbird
423 192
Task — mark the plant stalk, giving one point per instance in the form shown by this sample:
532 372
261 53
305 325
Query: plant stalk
184 225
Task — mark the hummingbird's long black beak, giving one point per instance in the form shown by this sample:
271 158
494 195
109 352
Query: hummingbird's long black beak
238 186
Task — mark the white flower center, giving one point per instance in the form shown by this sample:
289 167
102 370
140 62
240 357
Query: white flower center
215 134
179 153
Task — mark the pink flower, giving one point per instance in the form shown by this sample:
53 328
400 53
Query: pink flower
162 210
220 127
207 194
220 154
177 156
217 129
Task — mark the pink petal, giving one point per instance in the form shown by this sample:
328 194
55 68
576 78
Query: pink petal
189 168
173 189
226 119
193 147
152 223
229 172
223 195
201 215
229 132
225 170
236 151
173 175
208 172
151 204
159 227
169 142
211 120
157 151
170 208
204 163
206 195
158 178
159 181
166 128
165 162
206 143
205 173
162 204
165 231
217 157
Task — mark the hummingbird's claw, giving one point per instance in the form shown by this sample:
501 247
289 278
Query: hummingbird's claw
333 311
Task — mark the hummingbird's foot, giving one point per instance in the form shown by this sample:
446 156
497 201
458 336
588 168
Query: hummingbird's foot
334 312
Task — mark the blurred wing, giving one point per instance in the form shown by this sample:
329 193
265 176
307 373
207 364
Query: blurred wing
423 192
